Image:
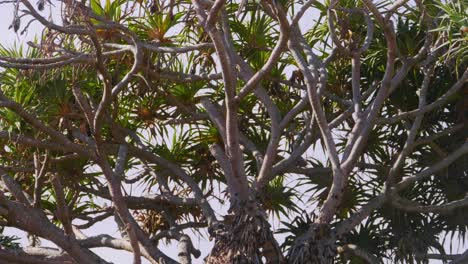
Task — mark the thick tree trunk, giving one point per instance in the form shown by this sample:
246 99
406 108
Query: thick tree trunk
244 238
317 246
248 240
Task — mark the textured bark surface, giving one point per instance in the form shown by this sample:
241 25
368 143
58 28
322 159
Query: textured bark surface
245 238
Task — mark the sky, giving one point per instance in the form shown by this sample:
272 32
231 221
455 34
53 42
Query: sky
8 38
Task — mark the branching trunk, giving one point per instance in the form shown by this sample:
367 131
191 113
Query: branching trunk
317 246
243 238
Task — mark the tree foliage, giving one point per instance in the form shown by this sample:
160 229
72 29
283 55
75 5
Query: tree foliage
345 120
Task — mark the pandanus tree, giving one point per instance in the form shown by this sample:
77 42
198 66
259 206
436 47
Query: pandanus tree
345 120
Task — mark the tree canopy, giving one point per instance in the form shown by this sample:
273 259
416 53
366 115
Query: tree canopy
345 120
